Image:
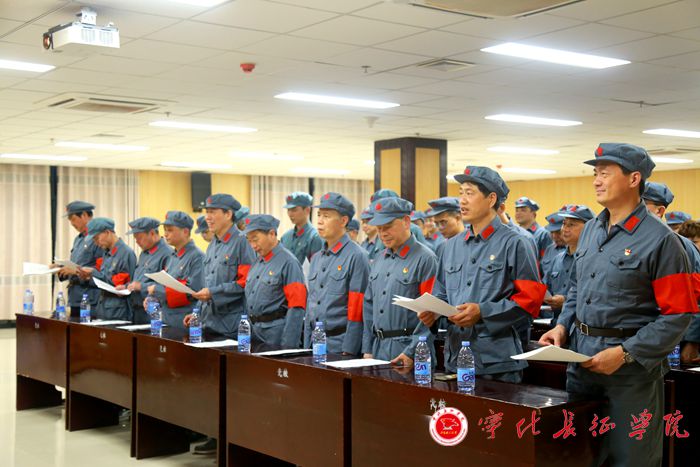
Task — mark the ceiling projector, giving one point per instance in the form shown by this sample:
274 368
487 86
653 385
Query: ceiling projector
82 32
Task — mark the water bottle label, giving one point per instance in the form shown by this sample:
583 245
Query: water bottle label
319 349
152 306
466 375
195 333
156 326
422 368
84 313
243 342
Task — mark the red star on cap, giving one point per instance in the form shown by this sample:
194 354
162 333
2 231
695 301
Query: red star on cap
209 200
327 196
289 198
599 152
247 221
574 208
672 216
378 207
467 171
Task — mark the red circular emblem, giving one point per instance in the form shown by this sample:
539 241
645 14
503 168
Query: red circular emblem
467 171
247 221
599 151
448 426
327 196
378 207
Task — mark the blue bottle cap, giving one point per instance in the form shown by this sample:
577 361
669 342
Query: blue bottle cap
465 344
423 339
319 323
244 317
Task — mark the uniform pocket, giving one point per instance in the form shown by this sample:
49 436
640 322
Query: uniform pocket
336 283
453 276
623 271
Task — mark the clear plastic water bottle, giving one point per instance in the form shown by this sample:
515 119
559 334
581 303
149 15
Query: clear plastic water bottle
155 312
466 373
28 302
674 358
60 306
195 327
422 369
244 335
318 343
85 309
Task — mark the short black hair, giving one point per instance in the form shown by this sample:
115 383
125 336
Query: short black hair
642 184
486 192
89 213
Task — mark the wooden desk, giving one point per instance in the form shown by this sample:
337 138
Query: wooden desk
42 360
179 388
100 375
391 415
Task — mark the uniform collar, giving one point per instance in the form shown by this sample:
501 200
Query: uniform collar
155 247
181 252
533 228
271 254
630 224
486 233
335 249
298 232
404 249
227 237
116 247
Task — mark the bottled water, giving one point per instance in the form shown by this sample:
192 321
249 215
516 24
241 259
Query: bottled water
466 374
422 369
60 306
318 342
28 302
244 335
674 358
85 309
195 327
154 311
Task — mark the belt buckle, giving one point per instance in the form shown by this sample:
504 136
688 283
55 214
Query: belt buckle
584 329
380 333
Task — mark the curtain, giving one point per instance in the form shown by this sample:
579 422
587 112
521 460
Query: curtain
357 191
114 192
268 196
26 236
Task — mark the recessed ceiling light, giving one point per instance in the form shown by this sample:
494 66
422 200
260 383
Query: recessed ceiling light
513 118
671 160
44 157
345 101
521 150
319 171
104 146
370 162
265 156
204 3
25 66
671 132
562 57
517 170
201 127
194 165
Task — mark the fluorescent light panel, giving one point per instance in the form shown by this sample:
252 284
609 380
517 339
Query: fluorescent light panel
201 127
672 132
521 150
25 66
562 57
514 118
102 146
43 157
203 3
265 156
517 170
344 101
671 160
194 165
319 171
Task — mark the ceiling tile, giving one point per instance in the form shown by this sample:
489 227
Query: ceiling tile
435 44
675 16
297 48
345 29
411 15
513 29
209 35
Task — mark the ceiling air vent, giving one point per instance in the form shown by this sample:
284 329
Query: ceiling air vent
445 64
102 103
491 8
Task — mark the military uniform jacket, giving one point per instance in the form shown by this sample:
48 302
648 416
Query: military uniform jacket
552 251
373 248
497 270
150 261
302 242
226 266
116 267
542 238
187 266
635 276
276 284
409 272
558 279
337 283
525 234
434 240
84 253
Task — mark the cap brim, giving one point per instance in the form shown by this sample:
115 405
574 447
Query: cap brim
612 159
552 227
573 216
382 219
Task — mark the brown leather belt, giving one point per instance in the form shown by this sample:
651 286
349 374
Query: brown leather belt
605 332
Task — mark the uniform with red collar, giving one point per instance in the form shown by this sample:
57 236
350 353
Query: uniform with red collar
542 237
149 261
116 267
275 293
337 282
390 330
303 241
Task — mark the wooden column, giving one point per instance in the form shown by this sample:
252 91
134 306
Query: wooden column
413 167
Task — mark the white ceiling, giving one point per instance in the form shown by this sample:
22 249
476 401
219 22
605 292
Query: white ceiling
191 56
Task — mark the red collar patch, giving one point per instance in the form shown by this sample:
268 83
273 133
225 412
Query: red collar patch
181 253
113 251
435 236
404 251
631 223
468 234
227 237
300 232
487 232
153 250
533 228
337 247
268 256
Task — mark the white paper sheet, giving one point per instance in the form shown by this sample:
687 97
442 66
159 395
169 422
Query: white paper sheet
110 288
546 321
66 263
106 322
138 327
282 352
167 280
425 302
35 269
205 345
552 353
357 363
697 368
